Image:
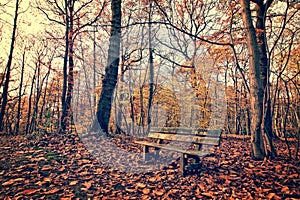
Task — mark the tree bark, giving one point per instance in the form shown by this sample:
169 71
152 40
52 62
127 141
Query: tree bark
256 87
8 68
261 119
20 94
30 100
151 70
69 113
65 73
111 71
261 10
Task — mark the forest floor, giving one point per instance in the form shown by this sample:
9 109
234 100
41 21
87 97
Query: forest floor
62 167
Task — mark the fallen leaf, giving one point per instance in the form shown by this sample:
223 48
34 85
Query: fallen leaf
152 179
146 191
159 192
47 179
141 185
267 190
12 181
285 189
271 195
293 176
53 191
87 184
62 169
73 183
207 194
29 191
129 190
46 168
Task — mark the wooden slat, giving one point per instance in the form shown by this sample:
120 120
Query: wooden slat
186 138
186 131
179 130
174 148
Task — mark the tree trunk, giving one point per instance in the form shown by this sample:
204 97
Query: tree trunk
41 114
20 95
65 74
111 71
8 68
30 101
261 10
256 88
71 72
261 119
151 70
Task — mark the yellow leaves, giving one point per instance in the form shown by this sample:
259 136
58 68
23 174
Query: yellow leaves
12 181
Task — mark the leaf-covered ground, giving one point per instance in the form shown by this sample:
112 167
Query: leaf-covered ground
61 167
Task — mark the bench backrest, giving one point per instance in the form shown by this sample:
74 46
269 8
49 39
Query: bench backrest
196 136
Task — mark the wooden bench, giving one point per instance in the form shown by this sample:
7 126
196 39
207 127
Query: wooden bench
186 141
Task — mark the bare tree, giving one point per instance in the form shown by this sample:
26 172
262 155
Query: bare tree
70 14
111 71
8 66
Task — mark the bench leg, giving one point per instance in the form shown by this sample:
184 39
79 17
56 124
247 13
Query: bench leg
183 163
146 153
157 150
196 160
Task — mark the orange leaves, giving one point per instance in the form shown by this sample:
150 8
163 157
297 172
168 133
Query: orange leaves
52 191
152 179
285 189
273 196
146 191
12 181
141 185
29 191
73 183
88 184
208 194
232 175
294 176
159 192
